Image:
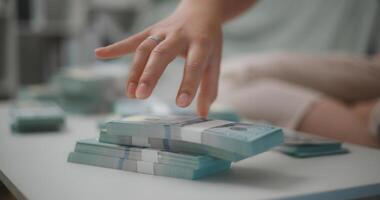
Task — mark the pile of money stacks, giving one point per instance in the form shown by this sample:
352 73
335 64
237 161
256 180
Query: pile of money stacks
177 146
89 90
36 116
302 145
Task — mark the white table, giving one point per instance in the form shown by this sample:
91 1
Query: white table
34 166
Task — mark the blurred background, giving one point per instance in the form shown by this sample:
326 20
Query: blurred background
40 37
44 42
48 52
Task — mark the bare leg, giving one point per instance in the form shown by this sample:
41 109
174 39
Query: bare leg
331 118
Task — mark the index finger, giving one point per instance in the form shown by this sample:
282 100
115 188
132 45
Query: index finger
122 47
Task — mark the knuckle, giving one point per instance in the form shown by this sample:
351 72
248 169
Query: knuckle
160 51
142 49
145 80
193 66
133 75
147 77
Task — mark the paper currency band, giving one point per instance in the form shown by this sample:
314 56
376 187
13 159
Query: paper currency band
149 155
193 132
140 141
145 167
120 163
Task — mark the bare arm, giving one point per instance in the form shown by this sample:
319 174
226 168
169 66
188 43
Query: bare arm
224 9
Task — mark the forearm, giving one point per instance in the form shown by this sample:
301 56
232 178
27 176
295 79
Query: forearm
222 10
346 77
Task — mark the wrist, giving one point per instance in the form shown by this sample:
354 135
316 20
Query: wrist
210 10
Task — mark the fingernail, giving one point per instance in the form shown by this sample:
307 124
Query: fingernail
131 89
142 91
183 100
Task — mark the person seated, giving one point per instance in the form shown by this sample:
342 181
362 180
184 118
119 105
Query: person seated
336 96
332 95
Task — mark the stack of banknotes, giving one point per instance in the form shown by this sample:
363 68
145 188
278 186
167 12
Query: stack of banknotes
222 139
178 146
90 90
36 116
304 145
48 92
146 160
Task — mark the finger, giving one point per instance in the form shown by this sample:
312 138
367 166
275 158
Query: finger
139 61
209 86
122 47
159 58
197 58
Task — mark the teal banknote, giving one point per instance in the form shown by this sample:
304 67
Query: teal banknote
241 139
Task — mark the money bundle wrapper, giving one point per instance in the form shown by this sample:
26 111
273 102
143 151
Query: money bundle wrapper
36 116
226 140
303 145
146 160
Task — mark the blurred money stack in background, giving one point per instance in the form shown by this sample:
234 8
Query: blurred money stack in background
45 93
36 116
304 145
91 89
85 90
178 146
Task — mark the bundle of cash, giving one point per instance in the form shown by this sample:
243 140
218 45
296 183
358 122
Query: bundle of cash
304 145
90 89
222 139
169 145
48 92
35 116
146 160
101 123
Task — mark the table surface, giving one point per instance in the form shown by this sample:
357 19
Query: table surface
34 166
